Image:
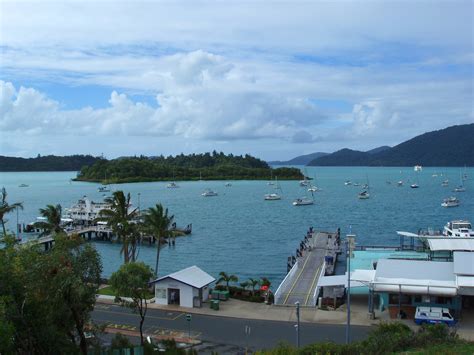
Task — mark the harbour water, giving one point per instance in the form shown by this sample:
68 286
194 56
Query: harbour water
240 233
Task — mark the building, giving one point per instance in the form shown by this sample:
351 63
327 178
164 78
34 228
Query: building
186 288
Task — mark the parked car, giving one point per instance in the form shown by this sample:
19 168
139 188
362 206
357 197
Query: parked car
434 315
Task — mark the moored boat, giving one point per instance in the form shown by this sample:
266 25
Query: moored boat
209 193
450 202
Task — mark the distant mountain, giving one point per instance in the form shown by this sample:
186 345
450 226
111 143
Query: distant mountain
47 163
378 149
452 146
299 160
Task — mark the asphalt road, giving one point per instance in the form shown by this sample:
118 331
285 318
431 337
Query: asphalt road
224 330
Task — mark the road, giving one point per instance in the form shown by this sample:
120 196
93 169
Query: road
223 330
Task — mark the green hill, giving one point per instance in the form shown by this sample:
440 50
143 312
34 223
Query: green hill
452 146
46 163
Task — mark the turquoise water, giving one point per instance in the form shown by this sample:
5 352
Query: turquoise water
240 233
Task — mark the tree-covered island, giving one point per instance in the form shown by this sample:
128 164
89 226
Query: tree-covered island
208 166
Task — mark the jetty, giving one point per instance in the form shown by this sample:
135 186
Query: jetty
315 257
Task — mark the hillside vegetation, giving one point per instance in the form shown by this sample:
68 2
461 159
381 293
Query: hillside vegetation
215 166
452 146
46 163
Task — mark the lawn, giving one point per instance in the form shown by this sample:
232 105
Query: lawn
109 291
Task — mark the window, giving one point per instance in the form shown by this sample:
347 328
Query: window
404 299
160 293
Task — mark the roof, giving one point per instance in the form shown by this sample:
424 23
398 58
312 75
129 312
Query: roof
192 276
415 276
451 244
363 275
465 281
463 263
341 280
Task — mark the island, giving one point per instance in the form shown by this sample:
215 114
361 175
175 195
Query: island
208 166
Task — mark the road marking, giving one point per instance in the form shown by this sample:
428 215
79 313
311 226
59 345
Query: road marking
312 284
121 326
294 284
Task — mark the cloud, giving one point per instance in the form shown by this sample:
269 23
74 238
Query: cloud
302 137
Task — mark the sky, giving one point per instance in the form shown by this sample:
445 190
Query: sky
274 79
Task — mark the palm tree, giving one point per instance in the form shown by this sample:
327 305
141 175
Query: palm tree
227 279
120 219
157 222
52 224
244 285
6 208
253 283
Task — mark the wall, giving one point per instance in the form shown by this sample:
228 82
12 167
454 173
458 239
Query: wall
186 292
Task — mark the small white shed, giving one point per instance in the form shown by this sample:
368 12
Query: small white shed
186 288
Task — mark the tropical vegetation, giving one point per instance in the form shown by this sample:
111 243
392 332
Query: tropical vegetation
122 219
226 278
6 208
52 220
46 163
215 166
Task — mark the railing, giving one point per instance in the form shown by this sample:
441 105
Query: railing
316 289
279 293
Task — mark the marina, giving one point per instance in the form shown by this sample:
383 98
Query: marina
241 233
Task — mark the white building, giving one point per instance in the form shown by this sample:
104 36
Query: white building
186 288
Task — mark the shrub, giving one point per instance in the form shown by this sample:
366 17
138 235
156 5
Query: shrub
120 341
430 334
388 338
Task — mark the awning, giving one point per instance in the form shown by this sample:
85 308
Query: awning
451 244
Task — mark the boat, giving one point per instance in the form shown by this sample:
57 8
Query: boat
271 183
172 185
434 175
445 183
304 201
414 186
313 188
400 183
105 188
23 185
187 230
452 229
228 184
209 193
460 188
364 195
304 182
85 211
272 197
348 183
355 184
450 202
417 168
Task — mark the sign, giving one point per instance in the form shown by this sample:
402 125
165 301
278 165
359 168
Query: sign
188 317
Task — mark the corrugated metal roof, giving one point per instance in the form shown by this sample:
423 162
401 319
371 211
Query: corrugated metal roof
451 244
192 276
463 263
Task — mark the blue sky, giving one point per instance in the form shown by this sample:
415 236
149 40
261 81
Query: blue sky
274 79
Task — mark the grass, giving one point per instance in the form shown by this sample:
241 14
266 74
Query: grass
109 291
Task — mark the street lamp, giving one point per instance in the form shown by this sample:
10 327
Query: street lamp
297 303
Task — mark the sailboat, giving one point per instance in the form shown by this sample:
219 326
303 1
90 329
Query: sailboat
365 194
273 196
105 187
313 188
271 183
304 201
172 184
415 185
460 188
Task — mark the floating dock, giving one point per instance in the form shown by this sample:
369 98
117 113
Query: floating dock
315 258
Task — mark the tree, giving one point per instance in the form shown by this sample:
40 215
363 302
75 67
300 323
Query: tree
226 278
52 224
253 283
132 281
121 219
6 208
244 285
157 222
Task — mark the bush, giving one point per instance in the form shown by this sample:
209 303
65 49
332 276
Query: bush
434 334
120 341
388 338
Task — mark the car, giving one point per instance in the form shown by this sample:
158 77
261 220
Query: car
434 315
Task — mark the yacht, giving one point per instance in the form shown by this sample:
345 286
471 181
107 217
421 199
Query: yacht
450 202
364 195
445 183
304 182
272 197
209 193
303 201
313 188
348 183
400 183
105 188
460 188
172 185
228 184
417 168
414 186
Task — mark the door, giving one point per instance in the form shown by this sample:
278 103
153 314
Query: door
173 296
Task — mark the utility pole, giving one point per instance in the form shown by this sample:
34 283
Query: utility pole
297 303
350 245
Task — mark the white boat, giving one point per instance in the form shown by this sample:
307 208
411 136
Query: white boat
23 185
304 201
356 184
348 182
85 211
445 183
460 188
209 193
272 197
450 202
313 188
453 229
105 188
172 185
414 186
364 195
417 168
304 182
400 183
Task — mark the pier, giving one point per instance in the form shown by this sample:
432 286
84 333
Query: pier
315 258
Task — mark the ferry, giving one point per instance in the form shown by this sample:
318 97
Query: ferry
452 229
85 211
